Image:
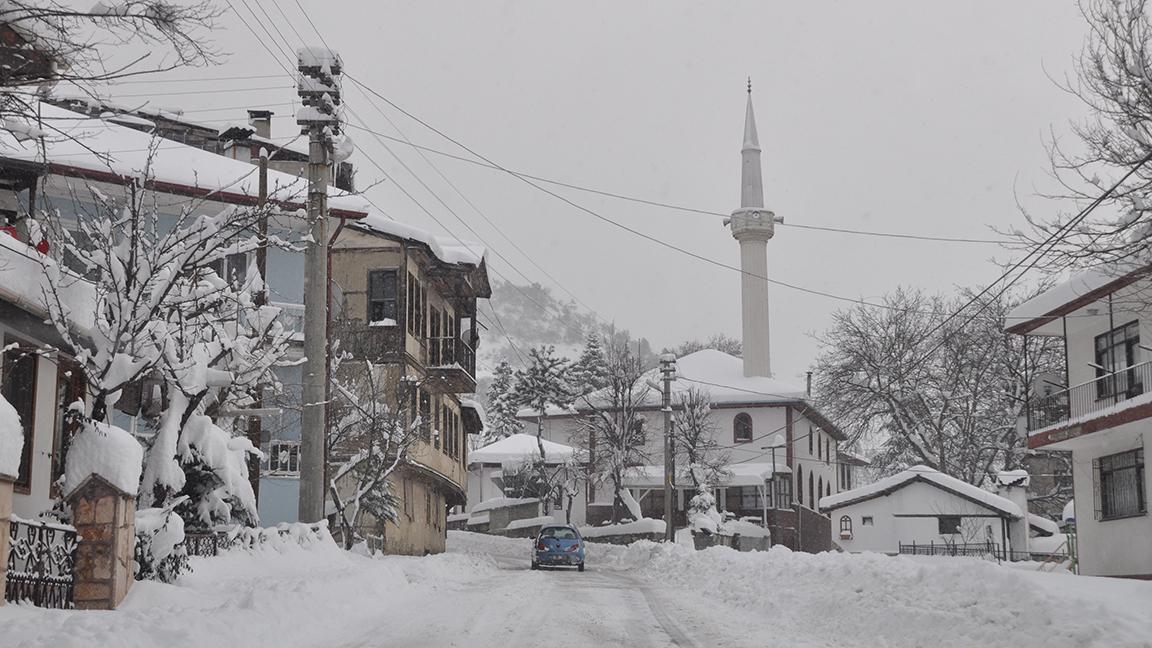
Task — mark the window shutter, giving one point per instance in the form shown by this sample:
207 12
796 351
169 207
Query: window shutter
1098 504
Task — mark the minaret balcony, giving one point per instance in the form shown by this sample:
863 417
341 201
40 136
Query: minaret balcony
753 224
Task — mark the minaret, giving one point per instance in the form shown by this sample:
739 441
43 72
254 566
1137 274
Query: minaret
753 225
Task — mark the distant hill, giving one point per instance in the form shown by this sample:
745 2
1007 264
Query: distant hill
531 316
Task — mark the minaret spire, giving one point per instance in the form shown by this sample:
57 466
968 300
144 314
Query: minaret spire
752 226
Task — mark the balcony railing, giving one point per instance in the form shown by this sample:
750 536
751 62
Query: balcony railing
1092 396
448 351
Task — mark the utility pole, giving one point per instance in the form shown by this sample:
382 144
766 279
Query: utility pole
261 299
668 373
319 90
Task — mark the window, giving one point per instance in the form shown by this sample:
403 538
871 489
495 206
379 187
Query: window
866 520
742 428
783 494
426 415
799 485
819 448
819 487
845 527
284 457
428 507
743 498
416 305
382 305
1116 351
827 450
233 268
810 435
639 436
811 492
1119 484
948 524
19 387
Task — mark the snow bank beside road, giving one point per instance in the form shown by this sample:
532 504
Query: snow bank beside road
824 599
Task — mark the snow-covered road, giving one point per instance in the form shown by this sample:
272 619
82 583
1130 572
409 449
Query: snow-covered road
482 594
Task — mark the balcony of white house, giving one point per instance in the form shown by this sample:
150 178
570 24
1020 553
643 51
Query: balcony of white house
1105 395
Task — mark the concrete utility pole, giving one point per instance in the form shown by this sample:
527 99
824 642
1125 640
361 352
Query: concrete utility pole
668 373
261 298
319 89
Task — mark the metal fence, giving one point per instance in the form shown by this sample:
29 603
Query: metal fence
970 550
41 564
206 544
1092 396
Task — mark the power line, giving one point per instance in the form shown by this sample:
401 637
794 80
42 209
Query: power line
474 208
693 210
243 77
197 92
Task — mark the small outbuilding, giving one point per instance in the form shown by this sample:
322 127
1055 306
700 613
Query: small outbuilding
922 510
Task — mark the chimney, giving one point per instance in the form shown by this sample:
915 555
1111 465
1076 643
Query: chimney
1013 485
261 120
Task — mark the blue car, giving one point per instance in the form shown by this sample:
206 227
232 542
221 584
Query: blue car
558 546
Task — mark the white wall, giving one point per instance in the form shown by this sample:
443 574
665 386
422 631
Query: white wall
889 528
766 422
1121 547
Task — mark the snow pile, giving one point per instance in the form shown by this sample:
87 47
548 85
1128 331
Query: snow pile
107 451
643 525
1069 513
282 537
160 550
11 439
531 522
826 599
1043 524
745 529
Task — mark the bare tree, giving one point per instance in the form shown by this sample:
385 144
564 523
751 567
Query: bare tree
1114 80
370 438
694 437
719 342
58 42
948 397
613 427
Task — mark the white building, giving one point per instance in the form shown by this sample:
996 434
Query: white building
1102 412
923 510
498 471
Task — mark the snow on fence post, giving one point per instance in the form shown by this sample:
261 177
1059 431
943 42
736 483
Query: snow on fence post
5 529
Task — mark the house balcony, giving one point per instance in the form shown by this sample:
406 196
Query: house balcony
1080 401
451 365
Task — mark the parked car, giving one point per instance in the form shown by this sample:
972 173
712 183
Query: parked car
559 545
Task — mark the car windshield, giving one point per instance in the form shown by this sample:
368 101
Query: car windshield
560 533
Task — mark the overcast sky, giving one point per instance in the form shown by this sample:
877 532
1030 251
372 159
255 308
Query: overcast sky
913 117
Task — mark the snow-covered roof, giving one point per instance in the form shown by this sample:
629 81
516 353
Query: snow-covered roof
740 474
1043 524
520 448
926 475
502 502
25 284
722 376
81 145
446 248
11 439
1078 291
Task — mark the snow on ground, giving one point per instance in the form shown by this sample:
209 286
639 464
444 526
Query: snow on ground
482 594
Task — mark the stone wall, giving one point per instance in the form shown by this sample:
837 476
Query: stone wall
499 518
